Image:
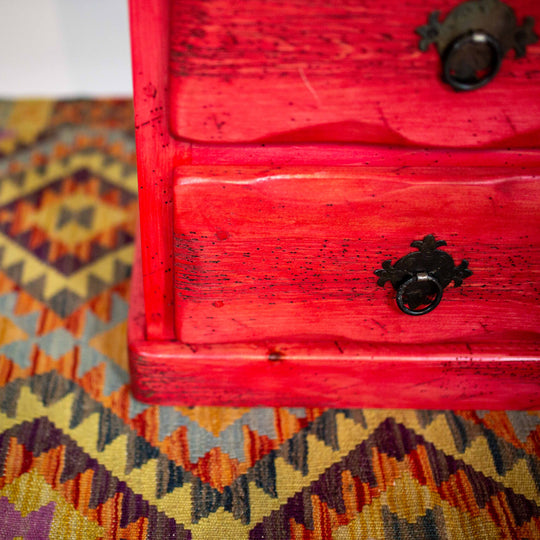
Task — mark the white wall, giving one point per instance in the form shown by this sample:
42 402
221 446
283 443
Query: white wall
64 48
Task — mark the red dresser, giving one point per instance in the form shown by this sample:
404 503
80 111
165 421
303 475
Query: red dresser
338 203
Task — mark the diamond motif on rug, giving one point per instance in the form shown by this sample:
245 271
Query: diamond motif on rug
71 222
69 237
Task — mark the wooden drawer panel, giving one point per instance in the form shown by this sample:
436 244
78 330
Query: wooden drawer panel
289 253
313 70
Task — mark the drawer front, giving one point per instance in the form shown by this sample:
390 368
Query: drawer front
290 253
313 70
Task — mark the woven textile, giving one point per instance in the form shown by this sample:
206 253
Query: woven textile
80 458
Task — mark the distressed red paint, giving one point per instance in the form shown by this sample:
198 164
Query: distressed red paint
281 98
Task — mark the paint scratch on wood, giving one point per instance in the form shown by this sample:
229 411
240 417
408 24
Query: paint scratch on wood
308 85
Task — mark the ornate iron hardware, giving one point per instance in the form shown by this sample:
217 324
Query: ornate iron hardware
420 277
473 40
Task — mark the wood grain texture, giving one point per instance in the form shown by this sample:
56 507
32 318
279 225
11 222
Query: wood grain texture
312 70
288 253
483 375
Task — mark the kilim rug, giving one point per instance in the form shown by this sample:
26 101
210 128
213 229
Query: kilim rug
81 459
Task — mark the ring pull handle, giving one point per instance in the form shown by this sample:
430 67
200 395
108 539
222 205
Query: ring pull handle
419 295
471 61
421 277
473 40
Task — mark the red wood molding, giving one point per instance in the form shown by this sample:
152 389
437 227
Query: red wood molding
488 375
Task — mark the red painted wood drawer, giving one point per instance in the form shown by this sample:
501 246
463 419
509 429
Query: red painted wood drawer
285 151
349 71
289 253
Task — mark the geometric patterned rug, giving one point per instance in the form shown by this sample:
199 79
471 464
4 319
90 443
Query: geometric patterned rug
81 459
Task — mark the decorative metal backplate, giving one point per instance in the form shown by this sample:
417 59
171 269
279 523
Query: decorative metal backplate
420 277
473 40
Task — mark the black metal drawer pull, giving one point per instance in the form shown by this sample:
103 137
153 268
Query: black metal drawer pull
420 277
473 40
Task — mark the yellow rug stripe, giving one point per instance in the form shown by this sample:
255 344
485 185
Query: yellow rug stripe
29 117
30 492
368 525
177 504
38 177
289 481
219 525
78 282
142 481
320 456
410 500
477 455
